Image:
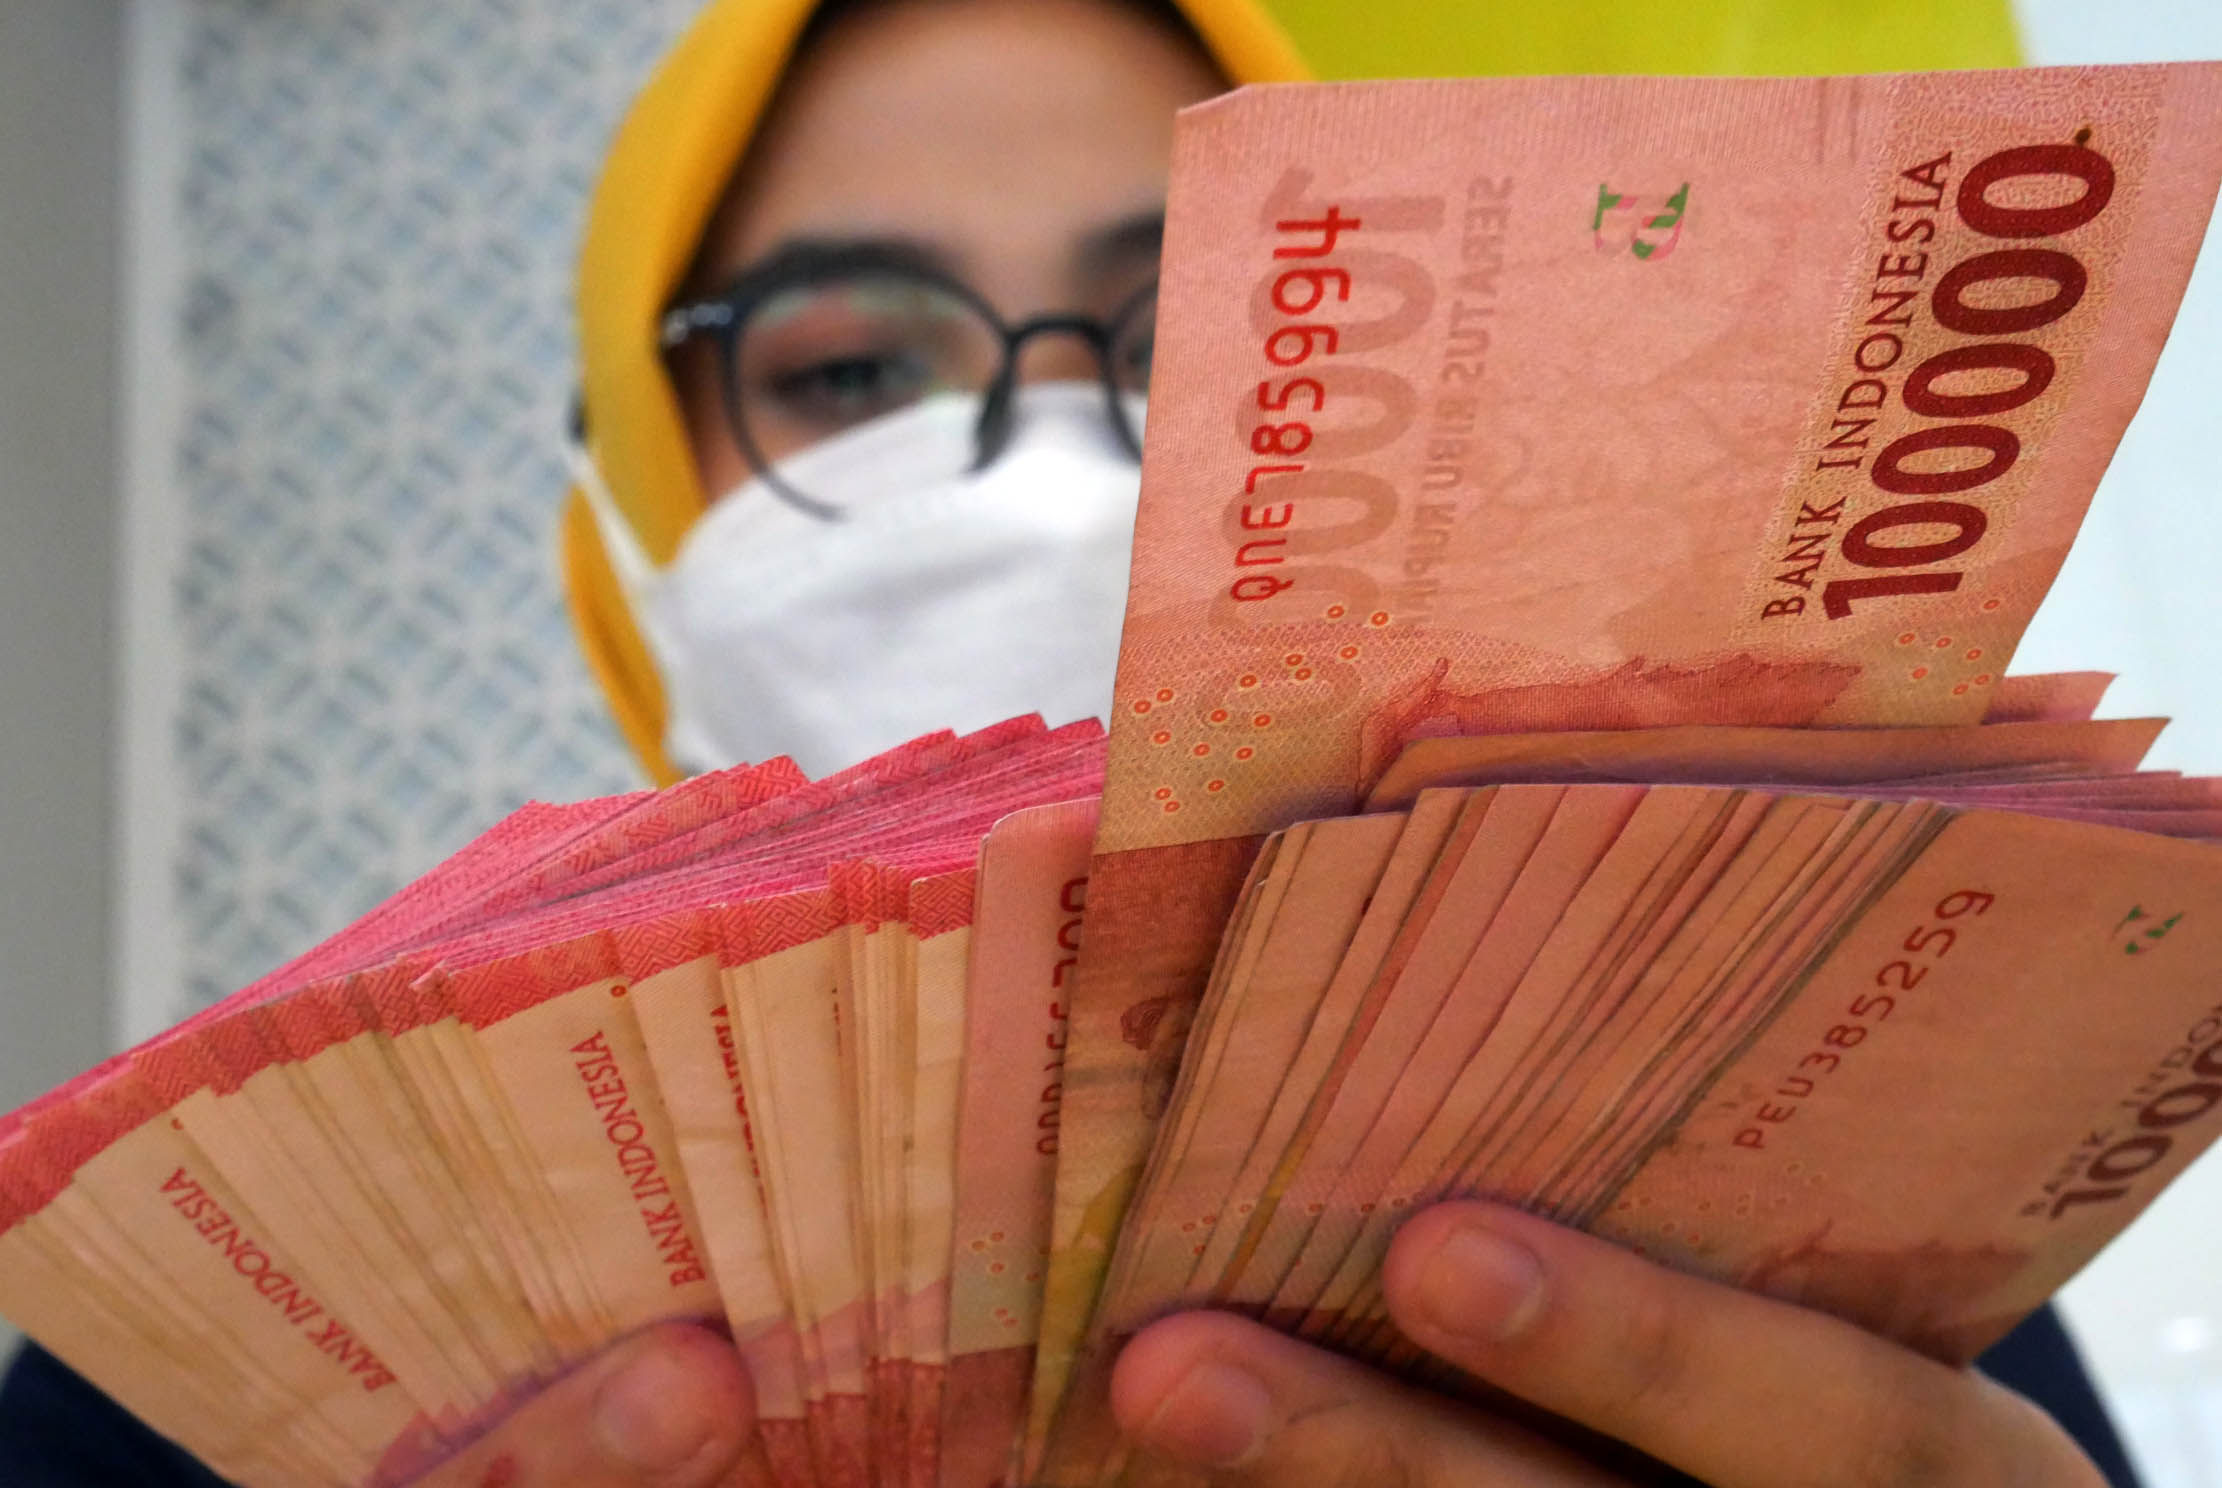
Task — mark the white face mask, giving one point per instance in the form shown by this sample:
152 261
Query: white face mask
955 604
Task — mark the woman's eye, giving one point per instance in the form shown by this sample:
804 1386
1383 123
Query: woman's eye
836 391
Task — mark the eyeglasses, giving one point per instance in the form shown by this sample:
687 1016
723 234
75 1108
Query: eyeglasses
823 340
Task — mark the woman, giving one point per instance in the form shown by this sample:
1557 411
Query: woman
956 200
931 167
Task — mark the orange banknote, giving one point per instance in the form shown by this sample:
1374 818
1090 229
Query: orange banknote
1529 404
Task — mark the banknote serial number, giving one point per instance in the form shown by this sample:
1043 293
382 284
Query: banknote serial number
1072 905
1966 399
1926 944
1333 291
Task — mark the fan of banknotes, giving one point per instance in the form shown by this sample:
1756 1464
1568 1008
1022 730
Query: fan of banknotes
1562 752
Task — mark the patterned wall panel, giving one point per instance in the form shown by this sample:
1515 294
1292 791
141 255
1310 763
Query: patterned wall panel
379 211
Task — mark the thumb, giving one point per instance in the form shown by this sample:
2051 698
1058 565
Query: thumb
1219 1394
669 1407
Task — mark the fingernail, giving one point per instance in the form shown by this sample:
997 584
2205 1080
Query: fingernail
649 1414
1217 1416
1480 1285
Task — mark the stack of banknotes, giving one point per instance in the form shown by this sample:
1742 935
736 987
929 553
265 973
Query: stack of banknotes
1562 751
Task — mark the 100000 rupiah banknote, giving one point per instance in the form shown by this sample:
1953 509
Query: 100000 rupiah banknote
1531 404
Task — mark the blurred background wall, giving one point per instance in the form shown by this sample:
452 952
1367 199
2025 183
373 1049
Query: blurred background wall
60 180
284 347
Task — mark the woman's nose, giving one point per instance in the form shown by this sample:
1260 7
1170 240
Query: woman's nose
1057 356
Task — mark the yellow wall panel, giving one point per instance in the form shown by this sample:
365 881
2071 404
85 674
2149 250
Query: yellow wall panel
1432 38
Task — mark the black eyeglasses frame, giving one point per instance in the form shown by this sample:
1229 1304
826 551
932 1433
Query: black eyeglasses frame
723 318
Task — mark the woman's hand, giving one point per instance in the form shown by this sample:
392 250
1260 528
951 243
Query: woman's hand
1735 1389
669 1407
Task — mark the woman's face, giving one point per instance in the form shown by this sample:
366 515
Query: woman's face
1019 146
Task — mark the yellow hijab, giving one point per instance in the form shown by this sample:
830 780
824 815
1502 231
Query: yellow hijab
687 131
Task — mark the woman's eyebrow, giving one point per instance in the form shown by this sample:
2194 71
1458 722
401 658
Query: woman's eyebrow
1117 244
799 257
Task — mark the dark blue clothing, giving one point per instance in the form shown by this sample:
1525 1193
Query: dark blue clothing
2039 1359
56 1431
